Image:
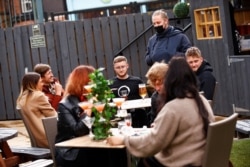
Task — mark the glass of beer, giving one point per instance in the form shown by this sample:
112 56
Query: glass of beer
142 90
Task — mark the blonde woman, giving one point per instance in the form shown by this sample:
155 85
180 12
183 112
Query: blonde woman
35 105
155 76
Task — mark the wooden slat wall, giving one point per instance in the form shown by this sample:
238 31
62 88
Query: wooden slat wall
68 44
240 72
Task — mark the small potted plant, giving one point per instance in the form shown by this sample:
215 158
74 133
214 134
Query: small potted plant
100 95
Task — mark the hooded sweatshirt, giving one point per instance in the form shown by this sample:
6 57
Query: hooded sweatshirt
165 45
206 79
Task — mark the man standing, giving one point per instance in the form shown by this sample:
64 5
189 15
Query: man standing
123 82
203 71
168 41
52 87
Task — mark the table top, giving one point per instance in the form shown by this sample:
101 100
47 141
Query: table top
7 133
86 142
138 103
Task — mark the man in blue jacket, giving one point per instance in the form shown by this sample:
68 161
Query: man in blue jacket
167 42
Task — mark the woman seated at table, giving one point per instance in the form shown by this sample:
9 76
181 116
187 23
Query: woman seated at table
34 106
70 123
155 76
178 137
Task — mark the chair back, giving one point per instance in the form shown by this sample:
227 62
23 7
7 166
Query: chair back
32 138
219 142
50 127
211 102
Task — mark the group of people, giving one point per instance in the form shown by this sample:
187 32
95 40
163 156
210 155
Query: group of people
179 115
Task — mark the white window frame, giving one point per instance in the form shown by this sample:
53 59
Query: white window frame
26 6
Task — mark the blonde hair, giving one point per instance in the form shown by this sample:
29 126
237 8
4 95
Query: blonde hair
119 59
157 72
193 52
161 12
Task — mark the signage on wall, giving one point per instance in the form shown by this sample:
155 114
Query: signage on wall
37 40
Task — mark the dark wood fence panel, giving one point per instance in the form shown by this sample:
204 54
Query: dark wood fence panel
8 73
240 71
4 75
72 45
133 52
114 29
141 45
98 43
90 42
26 52
80 38
93 41
108 46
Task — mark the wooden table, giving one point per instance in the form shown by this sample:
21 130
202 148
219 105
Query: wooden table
7 158
87 142
138 103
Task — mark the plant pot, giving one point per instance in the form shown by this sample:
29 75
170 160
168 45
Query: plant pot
101 130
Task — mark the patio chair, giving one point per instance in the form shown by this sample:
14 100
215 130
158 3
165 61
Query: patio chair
32 152
219 142
50 127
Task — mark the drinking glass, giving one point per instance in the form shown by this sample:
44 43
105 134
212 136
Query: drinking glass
128 119
89 87
85 105
142 90
99 106
89 121
118 101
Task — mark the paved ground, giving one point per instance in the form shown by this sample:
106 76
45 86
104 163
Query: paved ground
22 139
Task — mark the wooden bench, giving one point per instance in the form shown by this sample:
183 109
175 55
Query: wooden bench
243 128
31 153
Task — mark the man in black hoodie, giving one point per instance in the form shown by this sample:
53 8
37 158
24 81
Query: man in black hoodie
168 41
203 71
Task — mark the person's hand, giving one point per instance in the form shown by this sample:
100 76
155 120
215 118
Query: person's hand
115 140
152 125
58 88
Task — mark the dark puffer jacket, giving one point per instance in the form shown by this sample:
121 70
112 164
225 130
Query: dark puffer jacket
165 45
206 80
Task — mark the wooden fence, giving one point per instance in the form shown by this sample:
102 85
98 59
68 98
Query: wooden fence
68 44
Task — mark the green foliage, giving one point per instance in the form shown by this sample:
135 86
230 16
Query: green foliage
240 153
101 93
181 9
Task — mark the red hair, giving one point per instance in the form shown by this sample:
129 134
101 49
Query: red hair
77 79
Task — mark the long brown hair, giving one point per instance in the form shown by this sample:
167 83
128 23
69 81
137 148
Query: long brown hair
181 82
77 79
29 84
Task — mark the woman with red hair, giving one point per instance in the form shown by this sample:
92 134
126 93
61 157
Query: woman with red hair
70 116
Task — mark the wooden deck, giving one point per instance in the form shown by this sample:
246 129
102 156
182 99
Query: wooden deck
22 139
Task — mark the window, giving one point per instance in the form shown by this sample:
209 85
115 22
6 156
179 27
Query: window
26 6
208 24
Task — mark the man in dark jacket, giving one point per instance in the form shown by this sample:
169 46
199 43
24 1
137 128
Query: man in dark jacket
203 71
168 41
